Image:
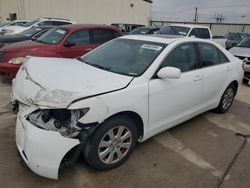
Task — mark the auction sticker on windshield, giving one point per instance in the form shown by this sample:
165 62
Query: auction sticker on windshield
60 31
151 47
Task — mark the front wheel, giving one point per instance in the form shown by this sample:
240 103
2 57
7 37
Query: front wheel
112 143
226 99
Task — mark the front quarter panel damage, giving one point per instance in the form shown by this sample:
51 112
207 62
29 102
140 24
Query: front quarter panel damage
98 109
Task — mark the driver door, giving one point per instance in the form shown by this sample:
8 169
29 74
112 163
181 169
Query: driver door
77 44
172 101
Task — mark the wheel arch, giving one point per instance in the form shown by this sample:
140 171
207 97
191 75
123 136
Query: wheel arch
136 118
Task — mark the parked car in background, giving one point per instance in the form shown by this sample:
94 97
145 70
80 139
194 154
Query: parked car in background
144 30
12 23
128 90
30 34
242 51
11 30
68 41
187 30
126 28
233 39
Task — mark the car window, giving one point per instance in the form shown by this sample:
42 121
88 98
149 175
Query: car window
245 42
59 23
45 23
208 54
182 57
30 32
31 23
125 56
204 33
79 38
17 23
174 30
195 33
102 35
53 36
223 58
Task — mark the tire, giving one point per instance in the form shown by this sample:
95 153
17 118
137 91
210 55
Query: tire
105 150
226 99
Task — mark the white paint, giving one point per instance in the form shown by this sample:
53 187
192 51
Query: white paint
161 103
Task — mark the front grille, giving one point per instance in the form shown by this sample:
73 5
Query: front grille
2 56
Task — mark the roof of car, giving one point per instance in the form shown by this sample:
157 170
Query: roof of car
166 39
87 26
189 25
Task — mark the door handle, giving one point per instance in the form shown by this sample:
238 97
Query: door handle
89 49
197 78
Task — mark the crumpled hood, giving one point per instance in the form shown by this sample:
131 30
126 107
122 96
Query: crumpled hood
23 46
240 51
56 82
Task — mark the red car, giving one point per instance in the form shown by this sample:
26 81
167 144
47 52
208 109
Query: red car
67 41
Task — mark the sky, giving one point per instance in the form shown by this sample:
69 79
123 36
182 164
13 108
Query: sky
233 11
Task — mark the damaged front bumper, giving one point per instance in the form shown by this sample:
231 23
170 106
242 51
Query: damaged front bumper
42 150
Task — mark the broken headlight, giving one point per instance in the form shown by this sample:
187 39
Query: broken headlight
63 121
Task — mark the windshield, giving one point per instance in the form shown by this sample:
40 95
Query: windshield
30 23
125 56
140 30
31 32
53 36
174 30
245 42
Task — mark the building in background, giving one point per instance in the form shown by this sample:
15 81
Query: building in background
81 11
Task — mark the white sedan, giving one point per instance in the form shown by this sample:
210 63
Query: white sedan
125 91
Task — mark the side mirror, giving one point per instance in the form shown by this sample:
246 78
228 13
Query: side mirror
69 44
169 72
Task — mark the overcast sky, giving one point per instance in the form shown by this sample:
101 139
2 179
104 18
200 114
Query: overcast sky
235 11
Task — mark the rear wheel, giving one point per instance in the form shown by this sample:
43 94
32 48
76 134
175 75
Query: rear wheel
112 143
226 99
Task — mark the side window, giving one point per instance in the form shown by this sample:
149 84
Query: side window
45 23
59 23
208 54
182 57
223 58
194 32
204 33
79 37
102 35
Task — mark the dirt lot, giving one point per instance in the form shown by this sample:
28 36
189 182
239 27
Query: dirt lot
192 155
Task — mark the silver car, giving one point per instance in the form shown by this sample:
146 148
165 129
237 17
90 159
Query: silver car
242 51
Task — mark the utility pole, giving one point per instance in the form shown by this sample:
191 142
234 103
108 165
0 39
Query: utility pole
195 15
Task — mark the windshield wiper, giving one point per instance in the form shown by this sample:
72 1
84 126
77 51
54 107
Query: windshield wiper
94 65
98 66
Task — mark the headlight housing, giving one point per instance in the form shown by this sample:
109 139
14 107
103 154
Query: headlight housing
17 61
63 121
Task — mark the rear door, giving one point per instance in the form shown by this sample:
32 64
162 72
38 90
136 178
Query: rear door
215 70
